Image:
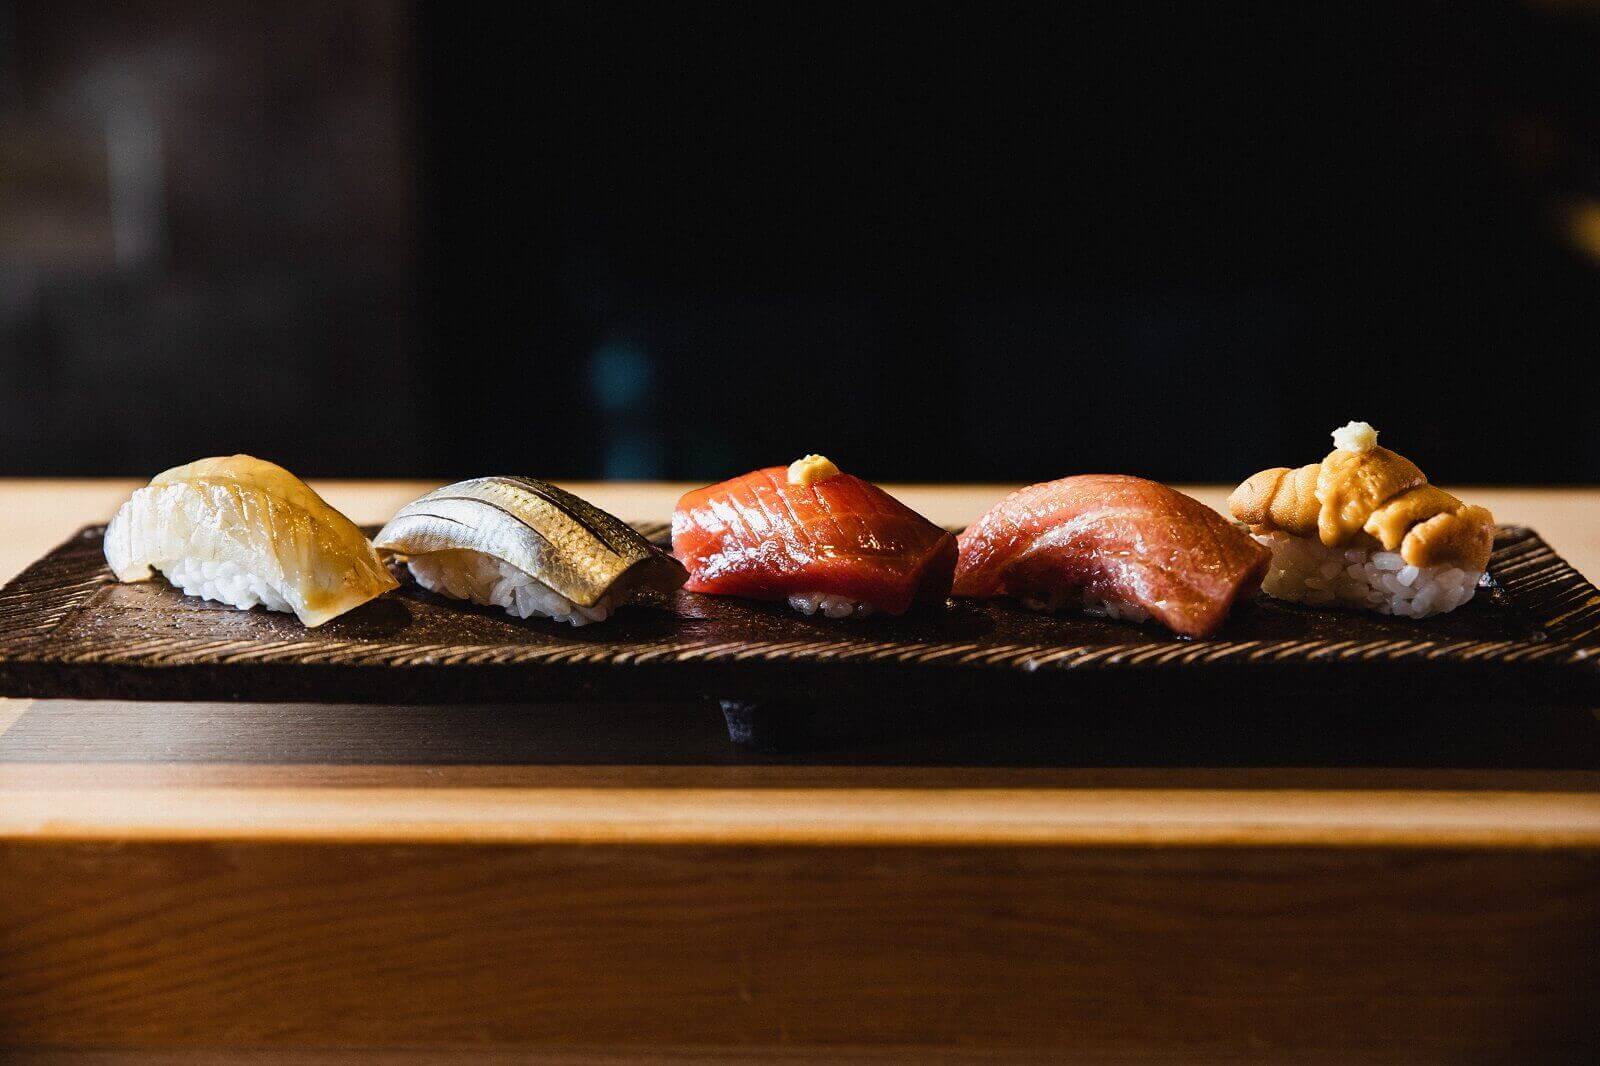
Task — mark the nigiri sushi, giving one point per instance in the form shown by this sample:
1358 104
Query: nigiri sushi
1113 546
528 547
1363 528
814 538
247 533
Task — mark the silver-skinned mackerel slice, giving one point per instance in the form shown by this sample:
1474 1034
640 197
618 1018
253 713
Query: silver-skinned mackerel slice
527 546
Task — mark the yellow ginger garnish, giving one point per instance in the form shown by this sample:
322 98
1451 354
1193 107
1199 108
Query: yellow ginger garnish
810 470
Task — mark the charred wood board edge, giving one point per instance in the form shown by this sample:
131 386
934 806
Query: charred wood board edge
58 638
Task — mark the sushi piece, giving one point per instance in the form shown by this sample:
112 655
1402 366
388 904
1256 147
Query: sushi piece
528 547
1363 528
814 538
247 533
1112 546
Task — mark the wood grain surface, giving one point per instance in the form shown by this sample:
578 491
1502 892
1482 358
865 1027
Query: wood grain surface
165 903
582 883
1089 954
986 817
68 629
90 770
536 738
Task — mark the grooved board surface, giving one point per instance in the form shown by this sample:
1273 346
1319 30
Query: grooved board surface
68 629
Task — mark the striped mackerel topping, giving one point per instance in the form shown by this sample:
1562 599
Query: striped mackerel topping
564 541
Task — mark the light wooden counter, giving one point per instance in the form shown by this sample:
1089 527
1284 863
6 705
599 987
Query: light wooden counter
295 883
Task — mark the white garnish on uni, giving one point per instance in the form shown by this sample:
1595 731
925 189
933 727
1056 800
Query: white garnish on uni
1357 437
810 469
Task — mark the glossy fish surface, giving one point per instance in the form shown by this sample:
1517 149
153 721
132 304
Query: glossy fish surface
1113 537
246 532
761 536
578 550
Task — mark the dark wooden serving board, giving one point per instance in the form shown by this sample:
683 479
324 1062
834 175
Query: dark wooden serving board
67 629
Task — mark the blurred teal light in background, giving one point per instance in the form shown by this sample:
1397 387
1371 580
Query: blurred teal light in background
620 375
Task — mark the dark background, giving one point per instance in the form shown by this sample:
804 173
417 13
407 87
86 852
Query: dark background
936 241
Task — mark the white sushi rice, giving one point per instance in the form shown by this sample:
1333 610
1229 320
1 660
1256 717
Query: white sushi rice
1086 603
224 582
470 575
809 603
1305 570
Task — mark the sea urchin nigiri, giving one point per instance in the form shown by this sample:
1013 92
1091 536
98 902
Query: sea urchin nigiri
1363 528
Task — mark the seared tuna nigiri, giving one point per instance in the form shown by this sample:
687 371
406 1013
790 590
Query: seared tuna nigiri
1113 545
813 537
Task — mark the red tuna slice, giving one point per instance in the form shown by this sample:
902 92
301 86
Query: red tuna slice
759 537
1115 537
